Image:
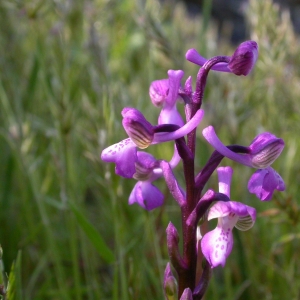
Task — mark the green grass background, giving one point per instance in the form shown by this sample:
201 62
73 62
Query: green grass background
67 68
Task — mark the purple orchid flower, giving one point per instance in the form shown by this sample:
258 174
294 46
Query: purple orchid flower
164 93
241 62
262 152
142 134
217 244
146 170
144 192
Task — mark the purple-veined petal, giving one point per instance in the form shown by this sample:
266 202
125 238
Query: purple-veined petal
123 154
246 222
193 56
184 130
265 149
146 195
137 127
210 135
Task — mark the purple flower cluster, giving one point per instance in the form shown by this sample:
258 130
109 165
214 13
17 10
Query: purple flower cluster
132 161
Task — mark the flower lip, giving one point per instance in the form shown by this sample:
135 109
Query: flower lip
217 244
124 155
146 195
264 182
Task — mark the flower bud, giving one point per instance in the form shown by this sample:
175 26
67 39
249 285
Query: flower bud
244 58
187 295
265 149
137 127
158 91
170 284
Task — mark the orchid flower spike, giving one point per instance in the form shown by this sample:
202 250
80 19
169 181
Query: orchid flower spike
217 244
241 62
262 152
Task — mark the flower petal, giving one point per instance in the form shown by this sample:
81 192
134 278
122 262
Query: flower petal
216 246
146 195
137 127
263 183
184 130
193 56
158 91
123 154
265 149
210 135
222 209
224 176
169 114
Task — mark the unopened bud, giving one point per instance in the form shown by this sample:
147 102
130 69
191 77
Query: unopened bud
244 58
170 287
137 127
265 149
187 295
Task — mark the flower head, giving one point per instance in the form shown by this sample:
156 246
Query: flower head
241 62
262 152
123 154
217 244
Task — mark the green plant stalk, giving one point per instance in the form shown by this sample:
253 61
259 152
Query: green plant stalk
47 225
70 219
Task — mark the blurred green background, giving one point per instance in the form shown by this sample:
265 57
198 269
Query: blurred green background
67 68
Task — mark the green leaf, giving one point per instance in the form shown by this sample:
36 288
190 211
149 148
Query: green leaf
93 235
14 290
